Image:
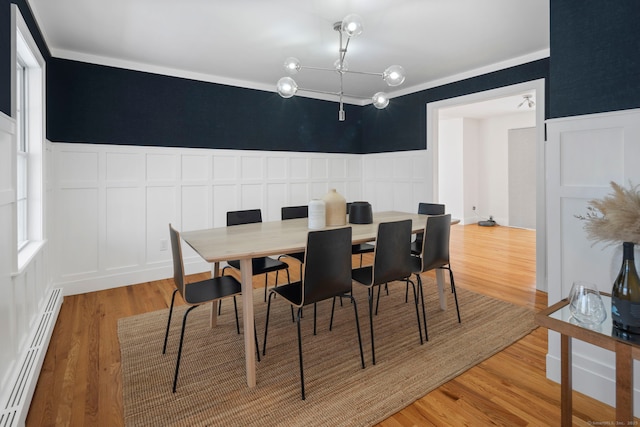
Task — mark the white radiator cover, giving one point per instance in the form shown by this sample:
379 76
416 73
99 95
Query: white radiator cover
15 406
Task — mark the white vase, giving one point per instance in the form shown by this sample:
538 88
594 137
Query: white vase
317 216
336 208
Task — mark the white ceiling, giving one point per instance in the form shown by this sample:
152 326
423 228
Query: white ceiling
244 42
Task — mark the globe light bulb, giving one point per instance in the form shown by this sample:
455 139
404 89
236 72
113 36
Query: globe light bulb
292 65
394 75
287 87
352 25
380 100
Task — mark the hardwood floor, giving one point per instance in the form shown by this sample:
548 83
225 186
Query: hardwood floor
80 383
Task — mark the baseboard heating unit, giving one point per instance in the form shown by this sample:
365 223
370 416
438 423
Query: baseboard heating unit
15 407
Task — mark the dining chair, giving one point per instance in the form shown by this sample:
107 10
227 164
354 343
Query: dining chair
294 212
261 265
434 255
327 274
425 209
391 262
195 294
360 248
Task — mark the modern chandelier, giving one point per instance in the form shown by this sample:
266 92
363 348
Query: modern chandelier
349 27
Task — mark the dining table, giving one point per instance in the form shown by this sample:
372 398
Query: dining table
247 241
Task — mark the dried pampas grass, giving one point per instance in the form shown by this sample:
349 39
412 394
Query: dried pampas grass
616 217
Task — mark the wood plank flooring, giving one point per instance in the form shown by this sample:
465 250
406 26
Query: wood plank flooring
80 383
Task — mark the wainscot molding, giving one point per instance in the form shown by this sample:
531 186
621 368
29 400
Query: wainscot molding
584 154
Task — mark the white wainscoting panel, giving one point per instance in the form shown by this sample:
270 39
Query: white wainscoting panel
77 231
396 181
114 203
584 154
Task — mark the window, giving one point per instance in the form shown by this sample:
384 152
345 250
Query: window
29 114
22 181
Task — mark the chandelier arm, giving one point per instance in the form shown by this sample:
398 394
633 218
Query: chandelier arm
318 68
343 52
368 73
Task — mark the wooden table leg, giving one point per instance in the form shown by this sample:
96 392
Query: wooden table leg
213 318
246 274
624 384
566 406
441 283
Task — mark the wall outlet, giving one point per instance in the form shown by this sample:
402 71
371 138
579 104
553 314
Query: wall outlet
164 244
473 208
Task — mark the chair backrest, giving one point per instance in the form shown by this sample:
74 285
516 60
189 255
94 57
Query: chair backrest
392 258
327 265
435 245
292 212
178 264
430 209
249 216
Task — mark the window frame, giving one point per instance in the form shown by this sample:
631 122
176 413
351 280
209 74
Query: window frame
25 49
22 153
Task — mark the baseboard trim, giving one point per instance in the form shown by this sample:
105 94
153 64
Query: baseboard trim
591 378
110 281
16 407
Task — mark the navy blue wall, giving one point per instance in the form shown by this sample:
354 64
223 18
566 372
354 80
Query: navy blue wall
5 57
403 124
595 56
98 104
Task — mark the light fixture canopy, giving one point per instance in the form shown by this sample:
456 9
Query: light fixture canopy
351 26
527 100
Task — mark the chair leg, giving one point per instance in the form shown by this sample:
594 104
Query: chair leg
415 299
424 313
220 302
355 310
255 337
184 323
166 335
266 326
455 295
333 308
300 354
266 277
373 349
235 307
315 306
406 294
378 298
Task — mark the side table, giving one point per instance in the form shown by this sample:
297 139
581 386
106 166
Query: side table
558 318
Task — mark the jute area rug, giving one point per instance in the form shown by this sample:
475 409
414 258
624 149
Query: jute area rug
212 388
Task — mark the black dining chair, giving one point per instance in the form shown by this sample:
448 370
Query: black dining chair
327 274
360 248
391 262
294 212
261 265
195 294
435 254
425 209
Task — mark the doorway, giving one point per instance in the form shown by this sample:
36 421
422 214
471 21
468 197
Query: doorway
433 149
